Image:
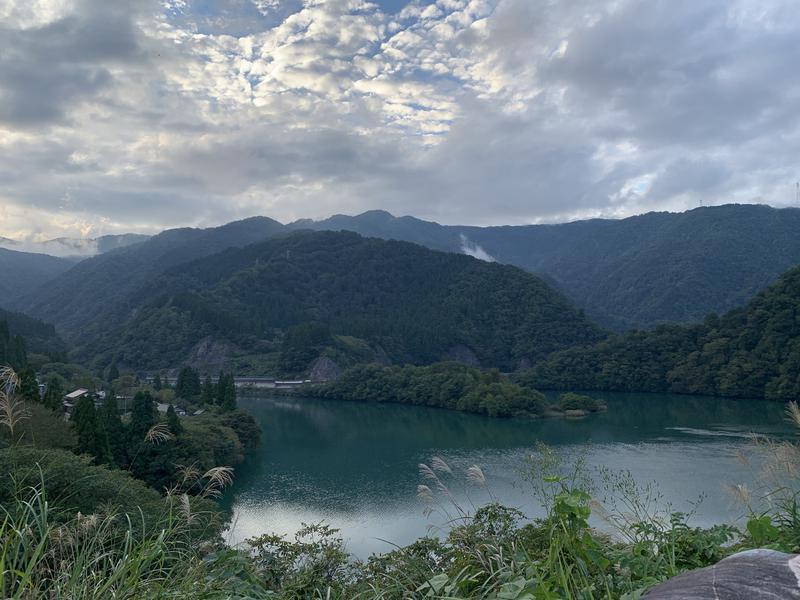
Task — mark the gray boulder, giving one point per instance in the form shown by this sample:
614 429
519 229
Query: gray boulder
751 575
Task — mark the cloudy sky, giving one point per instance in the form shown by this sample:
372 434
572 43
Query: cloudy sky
145 114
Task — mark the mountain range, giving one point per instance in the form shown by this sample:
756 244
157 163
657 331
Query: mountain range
628 273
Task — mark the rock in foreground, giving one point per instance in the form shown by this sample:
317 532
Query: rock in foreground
751 575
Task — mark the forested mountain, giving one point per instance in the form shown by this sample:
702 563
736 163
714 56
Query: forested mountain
381 224
752 351
23 272
38 336
97 290
306 294
12 348
634 272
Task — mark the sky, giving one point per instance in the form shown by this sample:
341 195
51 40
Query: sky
148 114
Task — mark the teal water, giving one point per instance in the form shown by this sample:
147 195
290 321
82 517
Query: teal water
355 466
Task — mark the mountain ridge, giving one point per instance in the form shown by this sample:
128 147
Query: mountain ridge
636 272
396 299
749 352
23 272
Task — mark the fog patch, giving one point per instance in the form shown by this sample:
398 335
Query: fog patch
474 250
61 247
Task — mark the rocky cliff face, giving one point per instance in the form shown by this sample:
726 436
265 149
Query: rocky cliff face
324 369
210 354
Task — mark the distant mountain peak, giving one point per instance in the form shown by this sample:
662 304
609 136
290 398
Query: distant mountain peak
376 212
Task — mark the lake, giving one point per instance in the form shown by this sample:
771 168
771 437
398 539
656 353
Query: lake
355 466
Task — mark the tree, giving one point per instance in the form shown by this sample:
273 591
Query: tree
209 392
188 384
92 438
12 348
157 383
115 431
143 416
302 344
173 421
125 385
28 386
54 396
113 372
226 392
166 396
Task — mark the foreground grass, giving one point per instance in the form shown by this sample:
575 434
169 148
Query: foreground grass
491 554
130 542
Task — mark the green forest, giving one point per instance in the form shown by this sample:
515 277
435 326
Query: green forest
39 337
751 352
450 385
12 347
442 385
408 304
117 424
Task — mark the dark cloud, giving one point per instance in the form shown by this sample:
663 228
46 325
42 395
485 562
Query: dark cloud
45 70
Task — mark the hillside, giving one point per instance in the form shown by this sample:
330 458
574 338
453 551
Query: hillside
23 272
752 351
32 335
634 272
298 296
97 289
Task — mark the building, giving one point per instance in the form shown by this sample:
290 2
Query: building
72 397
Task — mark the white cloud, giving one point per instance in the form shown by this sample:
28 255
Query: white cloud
147 114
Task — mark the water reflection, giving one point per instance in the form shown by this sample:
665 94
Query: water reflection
355 465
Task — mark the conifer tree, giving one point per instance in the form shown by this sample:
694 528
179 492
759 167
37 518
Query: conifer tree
114 429
173 421
221 381
208 394
85 423
143 417
188 384
226 392
92 438
12 348
54 396
28 386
